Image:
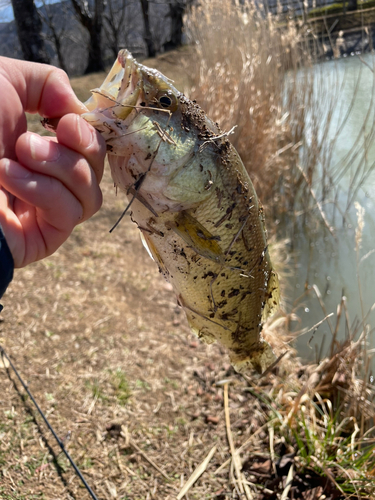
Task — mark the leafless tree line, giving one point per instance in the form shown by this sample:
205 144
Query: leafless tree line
85 35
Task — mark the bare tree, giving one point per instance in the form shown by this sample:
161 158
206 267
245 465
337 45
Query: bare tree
114 25
151 52
56 28
176 13
29 27
92 20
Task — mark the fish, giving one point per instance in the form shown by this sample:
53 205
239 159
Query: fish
194 204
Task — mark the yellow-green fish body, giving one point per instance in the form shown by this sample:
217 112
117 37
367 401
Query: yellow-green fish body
195 205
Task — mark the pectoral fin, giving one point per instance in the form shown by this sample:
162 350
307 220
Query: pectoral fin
153 253
197 236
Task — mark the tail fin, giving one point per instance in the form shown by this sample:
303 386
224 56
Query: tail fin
258 358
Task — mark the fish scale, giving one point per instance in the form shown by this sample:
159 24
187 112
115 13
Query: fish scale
194 204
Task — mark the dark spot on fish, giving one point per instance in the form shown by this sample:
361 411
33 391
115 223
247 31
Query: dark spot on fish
210 273
222 293
221 304
134 175
233 293
212 315
227 315
244 295
143 104
219 195
148 156
227 215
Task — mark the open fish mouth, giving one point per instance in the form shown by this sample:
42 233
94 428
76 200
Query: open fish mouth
129 85
119 93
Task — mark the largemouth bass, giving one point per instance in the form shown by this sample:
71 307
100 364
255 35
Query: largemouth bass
194 204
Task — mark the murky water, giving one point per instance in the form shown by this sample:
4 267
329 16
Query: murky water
334 265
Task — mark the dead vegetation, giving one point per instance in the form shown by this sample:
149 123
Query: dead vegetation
262 78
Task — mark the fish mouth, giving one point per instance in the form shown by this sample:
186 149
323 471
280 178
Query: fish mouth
121 89
130 85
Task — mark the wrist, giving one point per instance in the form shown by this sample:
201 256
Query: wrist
6 264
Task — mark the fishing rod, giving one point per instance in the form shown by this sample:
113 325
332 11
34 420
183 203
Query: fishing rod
60 443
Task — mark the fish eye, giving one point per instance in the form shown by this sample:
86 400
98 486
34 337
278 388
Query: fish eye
165 101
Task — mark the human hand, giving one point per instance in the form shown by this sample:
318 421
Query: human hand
47 185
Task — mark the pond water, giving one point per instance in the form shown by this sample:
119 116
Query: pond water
332 264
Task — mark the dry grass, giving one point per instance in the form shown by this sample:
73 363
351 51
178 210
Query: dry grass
261 78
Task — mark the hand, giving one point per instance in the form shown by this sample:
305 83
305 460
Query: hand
47 185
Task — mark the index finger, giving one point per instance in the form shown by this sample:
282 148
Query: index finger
41 88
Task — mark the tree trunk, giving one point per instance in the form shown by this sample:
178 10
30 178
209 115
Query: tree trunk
176 12
54 34
352 5
29 27
151 52
115 24
95 62
60 57
93 22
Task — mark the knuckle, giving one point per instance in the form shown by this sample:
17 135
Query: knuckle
93 204
81 174
60 74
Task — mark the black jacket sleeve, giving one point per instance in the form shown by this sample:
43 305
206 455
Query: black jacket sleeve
6 264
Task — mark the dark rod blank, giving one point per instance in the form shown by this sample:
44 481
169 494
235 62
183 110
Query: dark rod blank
60 443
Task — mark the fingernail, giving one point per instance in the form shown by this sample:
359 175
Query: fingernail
84 132
42 149
15 170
